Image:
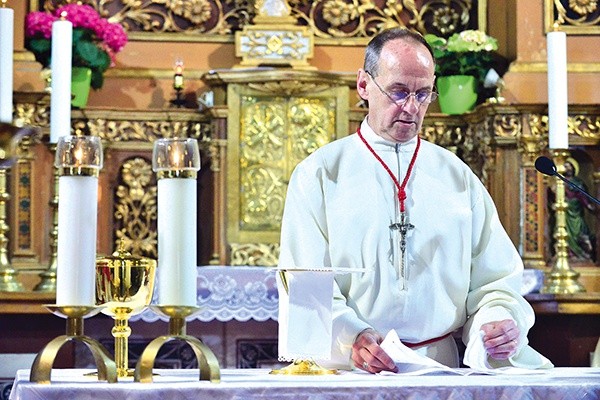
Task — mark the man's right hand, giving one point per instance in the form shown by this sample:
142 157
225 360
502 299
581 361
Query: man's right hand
368 355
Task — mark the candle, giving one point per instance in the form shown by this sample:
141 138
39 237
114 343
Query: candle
60 99
178 77
176 162
177 241
557 90
79 160
6 63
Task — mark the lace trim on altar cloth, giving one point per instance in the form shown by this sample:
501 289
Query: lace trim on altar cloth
228 293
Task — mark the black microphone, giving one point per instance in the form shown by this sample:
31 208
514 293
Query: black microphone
547 167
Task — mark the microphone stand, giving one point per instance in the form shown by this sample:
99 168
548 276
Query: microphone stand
561 279
578 188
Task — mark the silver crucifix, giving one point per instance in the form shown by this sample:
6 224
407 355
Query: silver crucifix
403 227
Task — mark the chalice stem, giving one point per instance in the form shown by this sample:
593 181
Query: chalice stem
121 332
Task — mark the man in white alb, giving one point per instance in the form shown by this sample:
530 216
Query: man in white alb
416 219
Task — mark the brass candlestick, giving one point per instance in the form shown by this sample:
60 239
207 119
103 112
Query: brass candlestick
42 364
207 361
48 277
124 286
11 137
561 279
8 281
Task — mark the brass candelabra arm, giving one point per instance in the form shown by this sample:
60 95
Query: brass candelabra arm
208 364
41 369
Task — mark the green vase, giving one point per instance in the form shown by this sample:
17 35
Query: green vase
81 79
457 93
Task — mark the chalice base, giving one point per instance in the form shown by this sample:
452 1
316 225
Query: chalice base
304 367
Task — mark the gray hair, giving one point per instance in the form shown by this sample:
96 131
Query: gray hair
373 50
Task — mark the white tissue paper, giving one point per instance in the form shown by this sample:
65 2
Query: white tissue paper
409 362
526 361
305 303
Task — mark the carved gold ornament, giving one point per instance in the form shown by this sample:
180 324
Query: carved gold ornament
327 20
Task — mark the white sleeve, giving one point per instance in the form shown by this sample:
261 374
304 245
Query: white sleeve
496 276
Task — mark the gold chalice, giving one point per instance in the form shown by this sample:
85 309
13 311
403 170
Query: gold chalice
124 286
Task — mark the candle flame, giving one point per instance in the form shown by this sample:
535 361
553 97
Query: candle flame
176 158
78 154
179 66
63 15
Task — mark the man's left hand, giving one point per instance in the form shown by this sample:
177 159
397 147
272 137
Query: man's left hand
501 338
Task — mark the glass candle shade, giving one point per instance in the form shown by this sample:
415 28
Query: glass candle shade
79 155
176 157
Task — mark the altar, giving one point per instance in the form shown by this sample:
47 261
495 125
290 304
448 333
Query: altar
250 384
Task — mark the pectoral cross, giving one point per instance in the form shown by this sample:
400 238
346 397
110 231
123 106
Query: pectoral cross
403 227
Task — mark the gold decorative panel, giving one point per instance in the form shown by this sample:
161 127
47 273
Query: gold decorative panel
273 125
339 21
135 208
579 17
275 134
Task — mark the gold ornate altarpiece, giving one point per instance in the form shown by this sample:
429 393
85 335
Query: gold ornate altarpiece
262 124
250 142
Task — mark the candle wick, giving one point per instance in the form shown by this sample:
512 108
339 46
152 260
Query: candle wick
557 23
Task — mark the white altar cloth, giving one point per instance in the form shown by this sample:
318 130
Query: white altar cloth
230 293
250 384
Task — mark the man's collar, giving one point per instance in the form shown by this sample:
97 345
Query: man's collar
375 140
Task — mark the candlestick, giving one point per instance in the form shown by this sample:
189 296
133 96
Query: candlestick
176 162
60 98
208 365
6 62
79 159
561 279
557 89
178 77
41 369
48 277
178 84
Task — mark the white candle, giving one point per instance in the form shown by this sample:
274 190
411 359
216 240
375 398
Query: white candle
60 98
6 64
76 251
557 90
177 241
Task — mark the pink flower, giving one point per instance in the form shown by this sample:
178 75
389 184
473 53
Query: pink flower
80 15
39 23
113 35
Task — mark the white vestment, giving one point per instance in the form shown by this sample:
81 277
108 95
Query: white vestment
461 267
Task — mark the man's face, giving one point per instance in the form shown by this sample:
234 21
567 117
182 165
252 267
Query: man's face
403 65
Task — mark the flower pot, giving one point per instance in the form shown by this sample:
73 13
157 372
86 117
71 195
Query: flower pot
457 93
80 86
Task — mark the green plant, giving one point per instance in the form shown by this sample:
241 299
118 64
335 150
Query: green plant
95 39
469 52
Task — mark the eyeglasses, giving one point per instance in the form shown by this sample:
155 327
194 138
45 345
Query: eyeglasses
400 97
